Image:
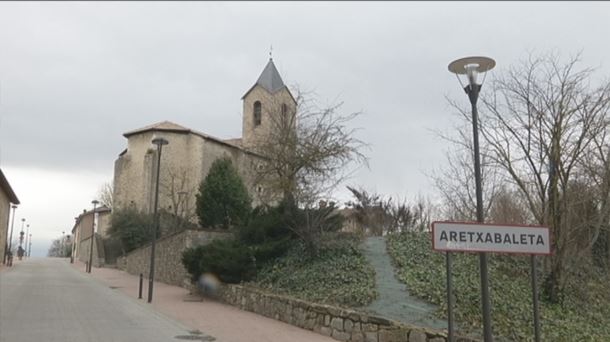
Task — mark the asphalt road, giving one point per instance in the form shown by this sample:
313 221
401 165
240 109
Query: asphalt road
47 300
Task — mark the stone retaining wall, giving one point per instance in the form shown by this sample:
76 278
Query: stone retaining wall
168 258
340 324
98 257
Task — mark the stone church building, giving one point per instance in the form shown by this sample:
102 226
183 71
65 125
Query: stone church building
185 161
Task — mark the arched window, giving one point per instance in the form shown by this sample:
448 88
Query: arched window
257 113
284 109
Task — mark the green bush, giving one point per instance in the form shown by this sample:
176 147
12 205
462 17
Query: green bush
265 239
223 199
229 259
261 240
131 227
264 224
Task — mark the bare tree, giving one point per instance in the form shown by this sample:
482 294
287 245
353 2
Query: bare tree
508 207
178 190
540 122
596 171
105 194
456 182
307 151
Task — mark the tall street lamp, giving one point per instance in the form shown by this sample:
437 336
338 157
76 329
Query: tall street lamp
62 251
20 250
10 239
471 67
151 277
94 202
67 243
30 247
27 234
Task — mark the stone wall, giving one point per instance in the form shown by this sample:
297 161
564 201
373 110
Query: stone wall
5 209
168 256
98 251
340 324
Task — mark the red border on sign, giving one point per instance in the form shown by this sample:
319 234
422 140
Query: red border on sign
492 224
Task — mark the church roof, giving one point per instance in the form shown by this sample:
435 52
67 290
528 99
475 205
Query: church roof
164 126
6 187
168 126
269 79
234 141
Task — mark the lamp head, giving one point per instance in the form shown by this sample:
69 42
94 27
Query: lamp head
471 67
95 202
159 141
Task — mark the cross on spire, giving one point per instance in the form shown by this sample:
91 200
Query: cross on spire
271 52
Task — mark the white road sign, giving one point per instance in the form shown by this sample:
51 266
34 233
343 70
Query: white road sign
480 237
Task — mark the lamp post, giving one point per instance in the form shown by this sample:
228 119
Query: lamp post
151 277
68 243
20 249
94 202
10 239
471 67
27 234
30 247
62 252
21 232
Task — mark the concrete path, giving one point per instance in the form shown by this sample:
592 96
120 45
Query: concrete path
394 301
47 300
213 319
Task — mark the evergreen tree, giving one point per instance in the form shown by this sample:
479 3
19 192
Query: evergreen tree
222 199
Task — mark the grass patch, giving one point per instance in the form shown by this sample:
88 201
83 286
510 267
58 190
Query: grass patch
584 315
338 275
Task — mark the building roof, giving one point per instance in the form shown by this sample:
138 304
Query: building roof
235 141
99 210
164 126
168 126
269 79
4 185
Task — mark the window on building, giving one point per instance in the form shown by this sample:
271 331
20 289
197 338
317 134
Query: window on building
257 113
284 109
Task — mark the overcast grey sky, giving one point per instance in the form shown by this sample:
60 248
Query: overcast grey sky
75 76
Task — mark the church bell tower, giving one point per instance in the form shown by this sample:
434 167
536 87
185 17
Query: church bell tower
263 104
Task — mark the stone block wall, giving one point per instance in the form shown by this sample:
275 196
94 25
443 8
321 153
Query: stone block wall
98 251
168 258
340 324
5 209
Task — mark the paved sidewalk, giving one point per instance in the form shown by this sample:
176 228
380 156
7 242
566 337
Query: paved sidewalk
223 322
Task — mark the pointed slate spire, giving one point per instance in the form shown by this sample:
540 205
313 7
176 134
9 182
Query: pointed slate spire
270 78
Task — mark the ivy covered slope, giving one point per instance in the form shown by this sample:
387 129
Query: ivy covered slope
339 274
584 315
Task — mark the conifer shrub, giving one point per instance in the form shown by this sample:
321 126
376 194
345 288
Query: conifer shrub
222 200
